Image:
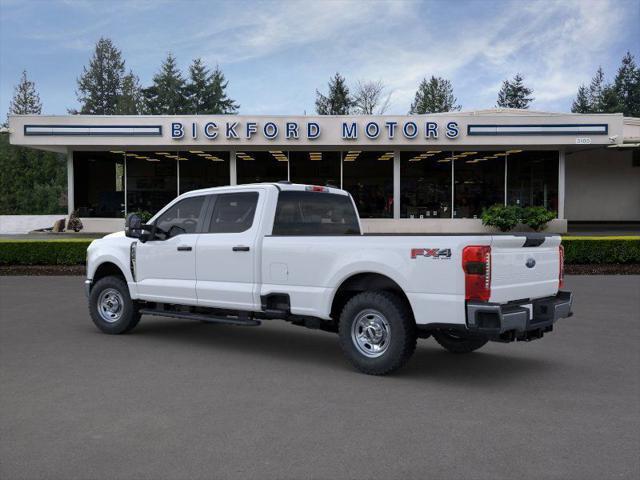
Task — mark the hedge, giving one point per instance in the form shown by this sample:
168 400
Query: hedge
577 250
44 252
601 250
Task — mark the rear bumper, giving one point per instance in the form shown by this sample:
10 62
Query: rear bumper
517 321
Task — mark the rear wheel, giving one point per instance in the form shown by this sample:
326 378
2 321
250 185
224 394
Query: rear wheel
377 332
111 307
458 343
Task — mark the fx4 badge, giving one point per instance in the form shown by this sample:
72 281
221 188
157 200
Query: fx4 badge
435 253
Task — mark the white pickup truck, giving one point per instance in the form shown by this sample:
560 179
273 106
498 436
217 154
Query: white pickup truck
242 254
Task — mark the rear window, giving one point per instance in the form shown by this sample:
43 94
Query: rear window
315 213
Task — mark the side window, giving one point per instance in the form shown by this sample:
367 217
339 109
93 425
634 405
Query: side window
233 212
183 217
315 213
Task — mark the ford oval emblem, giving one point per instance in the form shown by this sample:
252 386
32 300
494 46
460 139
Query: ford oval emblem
531 262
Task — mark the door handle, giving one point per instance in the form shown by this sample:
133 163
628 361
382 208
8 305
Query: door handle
240 248
184 248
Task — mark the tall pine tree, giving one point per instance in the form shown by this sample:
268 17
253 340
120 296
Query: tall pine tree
31 181
582 103
100 84
338 100
514 94
433 96
627 86
206 92
25 99
130 101
167 94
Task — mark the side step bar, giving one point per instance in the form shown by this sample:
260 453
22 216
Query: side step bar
244 322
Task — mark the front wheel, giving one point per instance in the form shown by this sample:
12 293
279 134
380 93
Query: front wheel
457 342
377 332
111 307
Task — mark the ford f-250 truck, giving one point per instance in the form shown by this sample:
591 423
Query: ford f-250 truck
243 254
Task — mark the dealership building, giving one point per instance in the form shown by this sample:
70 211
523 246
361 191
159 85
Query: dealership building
415 173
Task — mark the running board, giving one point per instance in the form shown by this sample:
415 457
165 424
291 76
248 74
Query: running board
247 322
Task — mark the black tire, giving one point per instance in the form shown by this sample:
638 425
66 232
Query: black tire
125 315
401 332
458 343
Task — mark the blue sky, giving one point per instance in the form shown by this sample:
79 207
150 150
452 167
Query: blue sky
276 53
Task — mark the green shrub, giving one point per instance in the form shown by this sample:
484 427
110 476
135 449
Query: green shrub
536 217
503 217
43 252
601 250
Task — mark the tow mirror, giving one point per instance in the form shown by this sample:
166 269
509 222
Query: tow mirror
133 225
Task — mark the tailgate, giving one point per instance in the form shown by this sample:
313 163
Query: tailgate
524 266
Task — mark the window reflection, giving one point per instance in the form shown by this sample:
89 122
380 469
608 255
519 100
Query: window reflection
368 177
425 187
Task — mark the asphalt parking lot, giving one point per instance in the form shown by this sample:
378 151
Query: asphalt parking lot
184 400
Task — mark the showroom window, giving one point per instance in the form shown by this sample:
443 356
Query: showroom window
368 177
151 180
99 184
267 166
315 168
425 187
532 178
478 182
202 169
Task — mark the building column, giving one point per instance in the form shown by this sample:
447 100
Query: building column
233 172
70 183
396 184
561 177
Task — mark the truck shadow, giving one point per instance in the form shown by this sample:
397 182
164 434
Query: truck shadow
279 341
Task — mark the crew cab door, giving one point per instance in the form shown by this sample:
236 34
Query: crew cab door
166 264
227 251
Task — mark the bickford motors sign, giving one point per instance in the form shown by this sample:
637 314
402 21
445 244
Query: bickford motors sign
310 130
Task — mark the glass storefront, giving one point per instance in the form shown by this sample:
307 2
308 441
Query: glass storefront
368 177
315 168
99 184
152 181
532 178
202 169
425 184
478 182
255 167
433 183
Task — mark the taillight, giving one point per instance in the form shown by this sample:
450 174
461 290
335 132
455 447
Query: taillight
561 269
476 263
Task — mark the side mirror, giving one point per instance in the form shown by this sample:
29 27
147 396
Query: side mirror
133 225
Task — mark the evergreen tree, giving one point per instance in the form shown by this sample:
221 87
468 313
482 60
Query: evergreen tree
25 99
596 91
31 181
130 101
581 104
627 86
514 94
218 101
338 101
433 96
206 92
167 95
99 86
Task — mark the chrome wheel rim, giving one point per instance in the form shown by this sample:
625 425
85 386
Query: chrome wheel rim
110 305
371 333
